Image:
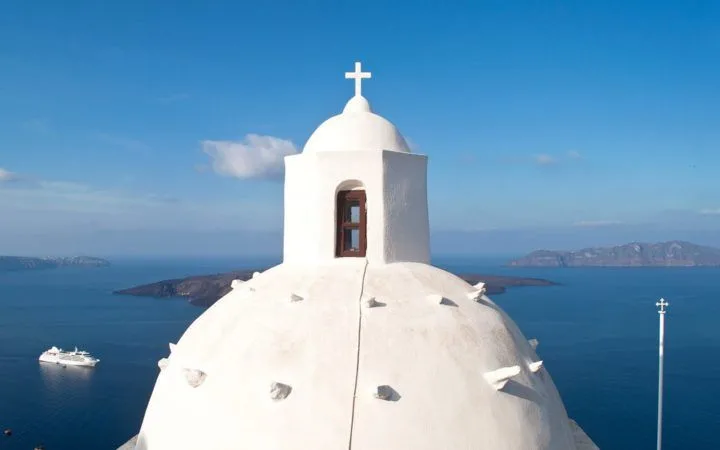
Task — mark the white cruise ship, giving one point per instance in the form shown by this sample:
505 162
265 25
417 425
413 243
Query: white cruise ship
71 358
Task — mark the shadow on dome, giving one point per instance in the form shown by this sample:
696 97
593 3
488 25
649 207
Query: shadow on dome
520 390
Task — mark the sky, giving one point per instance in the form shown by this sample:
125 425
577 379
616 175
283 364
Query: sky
140 128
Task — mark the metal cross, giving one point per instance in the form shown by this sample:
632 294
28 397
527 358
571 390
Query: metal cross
662 304
358 76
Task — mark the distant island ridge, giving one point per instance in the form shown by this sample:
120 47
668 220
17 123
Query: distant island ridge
204 290
634 254
15 263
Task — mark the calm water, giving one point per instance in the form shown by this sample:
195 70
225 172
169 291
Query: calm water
597 333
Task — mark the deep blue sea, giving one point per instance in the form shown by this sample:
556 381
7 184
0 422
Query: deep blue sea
597 333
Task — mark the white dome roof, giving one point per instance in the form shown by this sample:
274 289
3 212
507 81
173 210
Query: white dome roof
299 357
357 128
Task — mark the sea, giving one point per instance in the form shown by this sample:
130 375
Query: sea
597 333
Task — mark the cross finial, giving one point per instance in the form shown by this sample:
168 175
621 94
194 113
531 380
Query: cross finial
662 304
358 76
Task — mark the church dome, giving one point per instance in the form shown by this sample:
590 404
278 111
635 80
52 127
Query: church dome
357 128
386 357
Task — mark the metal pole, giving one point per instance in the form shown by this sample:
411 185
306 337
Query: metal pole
662 304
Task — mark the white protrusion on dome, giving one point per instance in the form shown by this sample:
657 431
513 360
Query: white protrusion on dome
163 363
535 366
384 392
436 298
279 391
478 292
533 343
194 377
499 378
357 104
296 297
172 347
255 274
370 302
236 283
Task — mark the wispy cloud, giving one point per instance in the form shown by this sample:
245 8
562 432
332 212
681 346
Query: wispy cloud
7 176
254 157
49 195
544 160
596 223
572 154
34 206
710 212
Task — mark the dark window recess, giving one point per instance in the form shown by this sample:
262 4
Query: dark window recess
351 224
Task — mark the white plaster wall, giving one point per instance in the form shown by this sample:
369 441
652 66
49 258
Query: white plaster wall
301 213
248 340
407 230
311 187
332 349
434 356
396 190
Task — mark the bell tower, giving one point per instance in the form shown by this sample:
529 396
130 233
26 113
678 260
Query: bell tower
356 190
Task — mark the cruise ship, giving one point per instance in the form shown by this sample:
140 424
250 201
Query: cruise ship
71 358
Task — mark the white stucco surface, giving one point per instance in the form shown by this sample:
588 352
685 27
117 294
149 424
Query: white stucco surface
357 128
382 352
397 211
432 355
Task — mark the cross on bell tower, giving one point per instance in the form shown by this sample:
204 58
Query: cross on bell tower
358 76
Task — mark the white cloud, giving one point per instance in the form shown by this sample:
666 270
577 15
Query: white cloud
572 154
544 160
596 223
253 157
6 175
710 212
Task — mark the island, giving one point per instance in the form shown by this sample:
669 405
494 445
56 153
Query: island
634 254
15 263
204 290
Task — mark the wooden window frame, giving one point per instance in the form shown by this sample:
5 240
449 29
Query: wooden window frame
342 227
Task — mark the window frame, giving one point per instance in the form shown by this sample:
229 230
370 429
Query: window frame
342 227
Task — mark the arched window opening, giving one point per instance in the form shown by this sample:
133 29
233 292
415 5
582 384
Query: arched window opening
351 224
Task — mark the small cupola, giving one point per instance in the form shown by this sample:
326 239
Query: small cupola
356 190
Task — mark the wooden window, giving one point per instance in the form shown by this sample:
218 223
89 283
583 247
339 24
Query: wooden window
351 224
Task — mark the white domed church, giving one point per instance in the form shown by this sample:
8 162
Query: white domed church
355 341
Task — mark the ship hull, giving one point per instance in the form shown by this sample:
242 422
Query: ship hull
53 359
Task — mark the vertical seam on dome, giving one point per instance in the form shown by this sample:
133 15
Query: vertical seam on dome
357 357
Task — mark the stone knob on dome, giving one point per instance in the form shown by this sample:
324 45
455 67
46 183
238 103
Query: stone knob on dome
357 104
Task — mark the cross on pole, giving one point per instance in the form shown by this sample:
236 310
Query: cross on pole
358 76
662 305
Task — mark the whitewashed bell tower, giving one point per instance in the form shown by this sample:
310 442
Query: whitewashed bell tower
356 190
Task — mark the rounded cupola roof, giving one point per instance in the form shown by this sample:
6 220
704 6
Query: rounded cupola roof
357 128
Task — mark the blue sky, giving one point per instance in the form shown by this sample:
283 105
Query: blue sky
137 128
